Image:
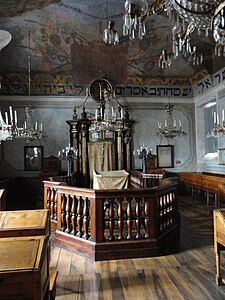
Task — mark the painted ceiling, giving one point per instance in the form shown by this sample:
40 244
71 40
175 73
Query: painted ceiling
66 44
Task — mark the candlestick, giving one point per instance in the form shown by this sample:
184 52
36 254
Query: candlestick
15 117
11 114
6 118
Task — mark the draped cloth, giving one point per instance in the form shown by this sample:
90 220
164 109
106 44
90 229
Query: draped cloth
101 156
110 180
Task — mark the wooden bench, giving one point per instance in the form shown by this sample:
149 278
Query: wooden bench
207 183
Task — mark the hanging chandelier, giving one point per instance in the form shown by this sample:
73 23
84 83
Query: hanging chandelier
8 127
171 128
106 116
133 21
219 126
31 130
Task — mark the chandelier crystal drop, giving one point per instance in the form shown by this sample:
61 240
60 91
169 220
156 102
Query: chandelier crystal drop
171 128
110 35
164 60
133 22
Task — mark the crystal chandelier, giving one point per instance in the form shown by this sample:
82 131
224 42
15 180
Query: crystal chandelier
31 130
219 127
200 15
219 29
135 13
8 127
106 117
172 128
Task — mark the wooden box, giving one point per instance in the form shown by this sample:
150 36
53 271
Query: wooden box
24 223
24 268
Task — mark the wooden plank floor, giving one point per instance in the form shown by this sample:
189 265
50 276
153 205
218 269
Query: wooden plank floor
187 274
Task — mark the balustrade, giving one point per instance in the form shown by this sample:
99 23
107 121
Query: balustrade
112 216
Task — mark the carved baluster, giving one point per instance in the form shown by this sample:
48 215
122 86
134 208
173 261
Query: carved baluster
55 206
48 195
111 220
52 203
138 219
86 218
147 219
129 220
73 215
68 212
79 217
120 219
63 215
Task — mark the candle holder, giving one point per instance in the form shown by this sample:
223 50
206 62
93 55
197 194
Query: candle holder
70 154
143 153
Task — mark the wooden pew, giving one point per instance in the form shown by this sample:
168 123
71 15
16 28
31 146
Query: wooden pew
207 183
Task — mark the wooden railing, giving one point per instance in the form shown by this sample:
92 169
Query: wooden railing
111 216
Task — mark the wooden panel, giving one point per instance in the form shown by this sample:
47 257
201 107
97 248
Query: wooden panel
24 223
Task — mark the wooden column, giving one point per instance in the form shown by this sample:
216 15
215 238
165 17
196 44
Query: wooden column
74 138
119 150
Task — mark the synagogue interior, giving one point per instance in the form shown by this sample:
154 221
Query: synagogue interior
112 146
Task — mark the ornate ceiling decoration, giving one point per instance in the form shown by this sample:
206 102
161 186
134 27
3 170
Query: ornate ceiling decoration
11 8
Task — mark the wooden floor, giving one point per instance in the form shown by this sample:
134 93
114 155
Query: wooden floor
187 274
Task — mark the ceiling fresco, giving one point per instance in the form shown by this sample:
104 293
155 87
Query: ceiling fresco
67 50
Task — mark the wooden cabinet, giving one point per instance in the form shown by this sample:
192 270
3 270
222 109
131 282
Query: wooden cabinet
24 223
24 268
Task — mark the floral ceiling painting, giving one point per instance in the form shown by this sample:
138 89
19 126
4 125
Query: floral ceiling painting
67 49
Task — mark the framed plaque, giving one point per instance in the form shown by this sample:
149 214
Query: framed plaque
165 156
33 158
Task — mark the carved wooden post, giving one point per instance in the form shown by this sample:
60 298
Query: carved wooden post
86 218
73 215
63 205
120 219
79 217
111 219
129 219
138 220
68 216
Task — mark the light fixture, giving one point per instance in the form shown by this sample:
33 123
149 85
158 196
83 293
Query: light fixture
219 29
69 154
110 35
219 125
143 153
171 128
8 127
31 130
106 116
133 23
